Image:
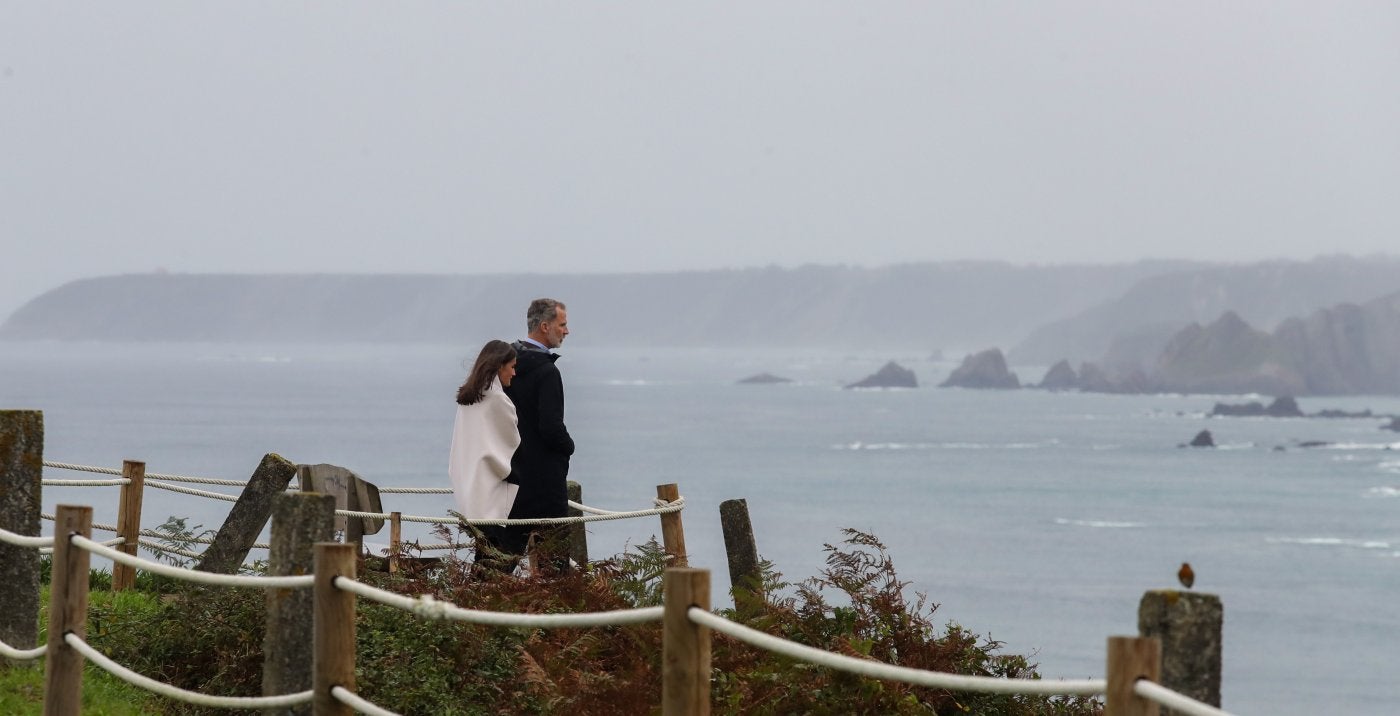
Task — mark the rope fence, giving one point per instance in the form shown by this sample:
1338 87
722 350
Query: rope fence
686 618
177 693
880 670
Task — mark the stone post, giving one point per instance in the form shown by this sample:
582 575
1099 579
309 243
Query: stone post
745 578
21 475
1189 625
299 521
578 531
248 516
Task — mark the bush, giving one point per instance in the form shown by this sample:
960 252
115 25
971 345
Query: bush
209 640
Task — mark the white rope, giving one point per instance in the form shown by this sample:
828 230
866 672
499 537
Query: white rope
86 483
599 516
108 543
191 491
415 490
427 607
20 540
179 694
155 475
81 468
348 697
153 533
1179 703
9 652
879 670
189 575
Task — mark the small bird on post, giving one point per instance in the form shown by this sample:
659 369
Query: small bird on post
1186 575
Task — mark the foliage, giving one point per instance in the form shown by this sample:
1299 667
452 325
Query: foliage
209 640
22 685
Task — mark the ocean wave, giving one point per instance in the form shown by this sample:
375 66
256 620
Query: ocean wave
1389 465
1111 524
1333 542
1383 491
1360 446
859 445
1235 446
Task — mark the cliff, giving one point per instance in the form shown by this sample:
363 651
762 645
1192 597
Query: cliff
1133 328
911 306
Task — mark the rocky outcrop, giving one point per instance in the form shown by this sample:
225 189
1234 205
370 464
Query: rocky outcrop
1202 439
1394 424
1060 377
891 375
1284 406
764 379
1344 350
985 370
1138 323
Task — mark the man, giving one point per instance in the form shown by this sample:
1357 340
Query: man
540 465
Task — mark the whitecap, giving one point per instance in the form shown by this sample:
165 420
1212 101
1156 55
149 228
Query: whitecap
1234 446
1389 465
1111 524
1383 491
1332 542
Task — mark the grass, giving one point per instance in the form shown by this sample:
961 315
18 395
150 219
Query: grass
22 684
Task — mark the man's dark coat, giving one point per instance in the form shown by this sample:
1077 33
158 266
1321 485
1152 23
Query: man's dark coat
541 464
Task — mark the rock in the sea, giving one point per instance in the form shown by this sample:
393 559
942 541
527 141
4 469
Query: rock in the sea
1313 444
1202 439
983 370
1283 406
1393 425
765 379
892 375
1060 377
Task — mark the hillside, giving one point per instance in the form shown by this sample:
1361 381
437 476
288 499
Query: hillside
1130 330
916 306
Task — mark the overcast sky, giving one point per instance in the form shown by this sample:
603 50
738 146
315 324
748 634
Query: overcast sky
470 137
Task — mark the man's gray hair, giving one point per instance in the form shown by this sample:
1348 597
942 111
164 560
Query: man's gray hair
541 310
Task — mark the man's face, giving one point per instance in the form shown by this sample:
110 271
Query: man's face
555 330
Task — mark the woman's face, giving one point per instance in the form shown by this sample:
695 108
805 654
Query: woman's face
506 373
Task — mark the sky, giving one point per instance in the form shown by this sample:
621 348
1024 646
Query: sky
474 137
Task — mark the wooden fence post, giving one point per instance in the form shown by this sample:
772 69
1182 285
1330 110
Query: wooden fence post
745 578
68 605
685 665
672 532
21 483
1129 659
578 531
335 628
300 520
1189 625
395 540
129 522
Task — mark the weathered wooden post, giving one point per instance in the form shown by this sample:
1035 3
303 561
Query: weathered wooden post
68 606
672 532
685 665
1130 659
129 522
335 628
21 483
578 531
248 516
299 521
745 577
1189 625
395 540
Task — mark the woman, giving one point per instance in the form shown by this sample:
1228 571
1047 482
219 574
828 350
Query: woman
484 437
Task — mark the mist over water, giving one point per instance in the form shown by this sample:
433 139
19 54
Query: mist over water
1037 519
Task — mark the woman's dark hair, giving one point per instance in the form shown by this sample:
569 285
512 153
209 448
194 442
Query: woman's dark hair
493 356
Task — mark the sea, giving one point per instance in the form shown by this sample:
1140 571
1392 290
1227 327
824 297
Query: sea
1035 519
